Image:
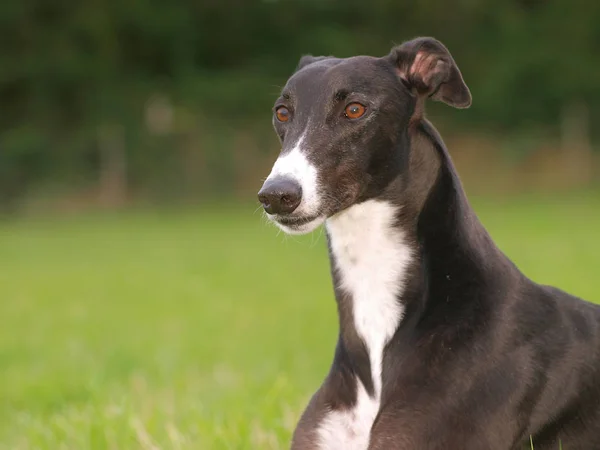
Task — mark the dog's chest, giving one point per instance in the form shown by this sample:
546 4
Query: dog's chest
371 260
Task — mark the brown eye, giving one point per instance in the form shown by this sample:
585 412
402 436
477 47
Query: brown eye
282 114
354 111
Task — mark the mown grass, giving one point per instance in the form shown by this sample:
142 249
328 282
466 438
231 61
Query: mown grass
202 329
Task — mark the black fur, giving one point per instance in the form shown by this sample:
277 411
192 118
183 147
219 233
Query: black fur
484 358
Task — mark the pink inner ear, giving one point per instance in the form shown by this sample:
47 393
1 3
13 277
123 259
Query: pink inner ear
427 66
426 71
402 73
416 70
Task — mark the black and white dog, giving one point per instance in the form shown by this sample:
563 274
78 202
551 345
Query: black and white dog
443 343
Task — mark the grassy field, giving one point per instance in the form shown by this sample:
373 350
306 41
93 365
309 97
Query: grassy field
203 329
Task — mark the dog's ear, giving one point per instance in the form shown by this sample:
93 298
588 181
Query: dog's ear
309 59
425 65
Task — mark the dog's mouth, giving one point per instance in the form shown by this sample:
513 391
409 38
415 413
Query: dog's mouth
297 224
294 221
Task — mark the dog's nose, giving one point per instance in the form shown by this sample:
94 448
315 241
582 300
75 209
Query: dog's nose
280 195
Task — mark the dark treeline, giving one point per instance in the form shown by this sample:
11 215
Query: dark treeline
147 96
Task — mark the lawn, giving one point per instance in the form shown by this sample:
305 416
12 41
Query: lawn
202 329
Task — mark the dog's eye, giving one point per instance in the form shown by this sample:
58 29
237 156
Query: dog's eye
354 111
282 114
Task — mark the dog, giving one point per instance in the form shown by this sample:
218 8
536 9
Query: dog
443 342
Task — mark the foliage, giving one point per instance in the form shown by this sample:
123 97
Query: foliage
68 69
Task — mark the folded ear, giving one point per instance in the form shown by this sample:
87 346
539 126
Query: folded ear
426 65
309 59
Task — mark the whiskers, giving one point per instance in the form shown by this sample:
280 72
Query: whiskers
315 238
259 208
329 201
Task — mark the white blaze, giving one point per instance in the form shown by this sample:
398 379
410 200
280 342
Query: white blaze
295 165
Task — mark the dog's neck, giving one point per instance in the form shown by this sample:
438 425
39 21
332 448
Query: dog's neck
399 257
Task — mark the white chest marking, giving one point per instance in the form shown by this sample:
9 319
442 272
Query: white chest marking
371 258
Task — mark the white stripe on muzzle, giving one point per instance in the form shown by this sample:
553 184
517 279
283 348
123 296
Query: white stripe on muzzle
294 164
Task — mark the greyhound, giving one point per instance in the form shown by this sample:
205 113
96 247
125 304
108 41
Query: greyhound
443 342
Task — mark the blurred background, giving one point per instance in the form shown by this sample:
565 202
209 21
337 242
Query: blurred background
143 301
119 102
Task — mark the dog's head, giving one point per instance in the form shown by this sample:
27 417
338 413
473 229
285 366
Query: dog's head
343 128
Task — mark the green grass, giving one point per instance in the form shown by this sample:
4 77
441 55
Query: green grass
202 329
